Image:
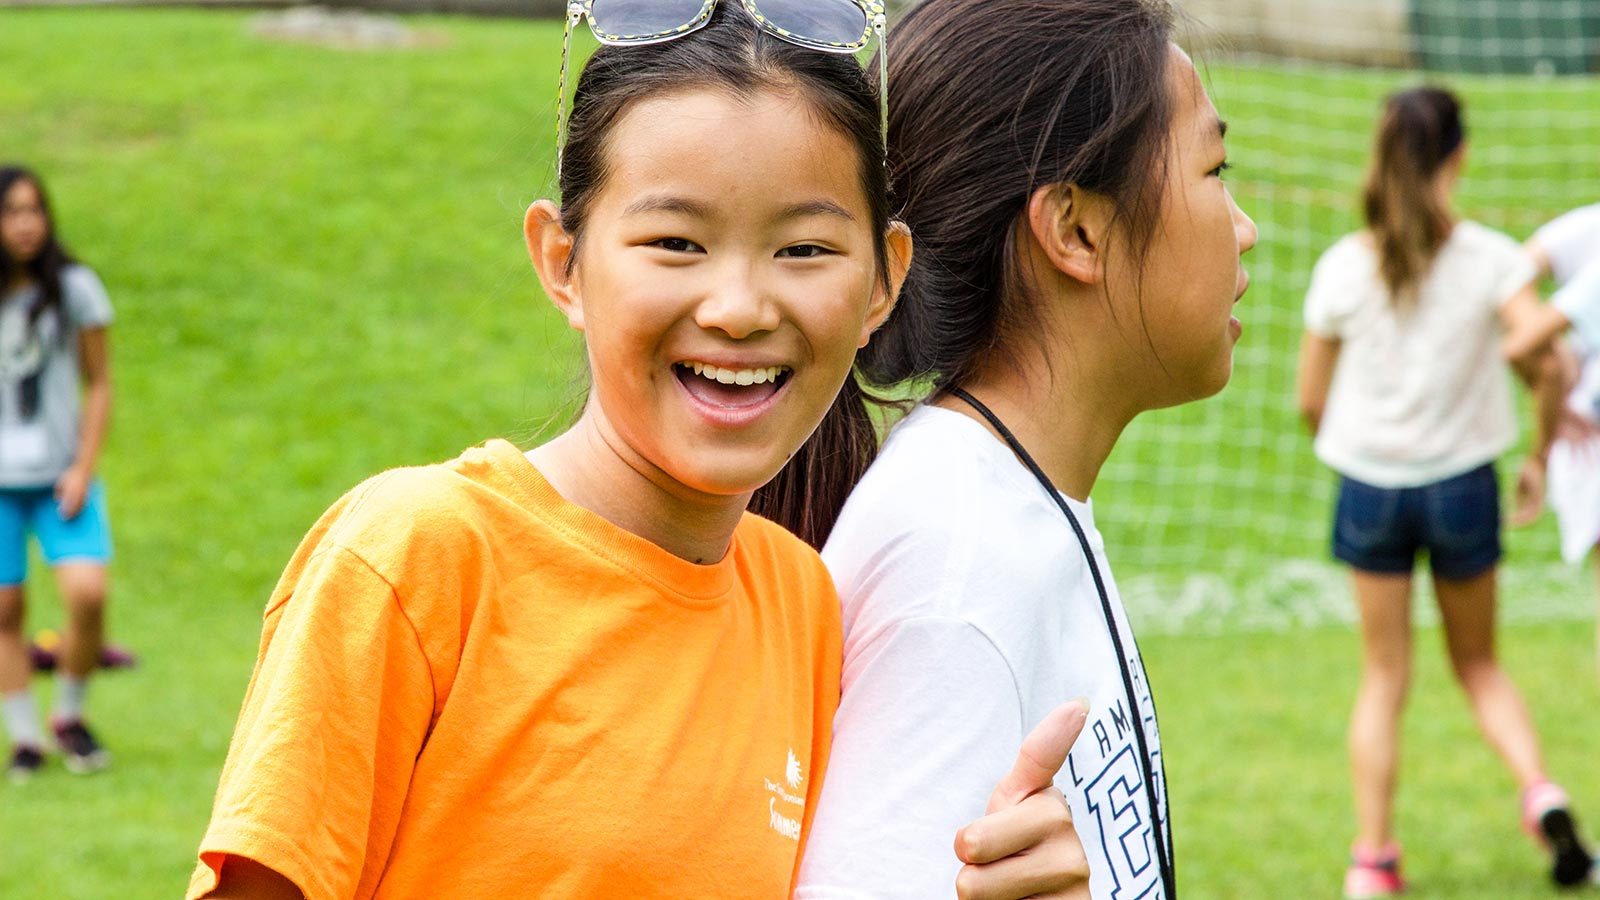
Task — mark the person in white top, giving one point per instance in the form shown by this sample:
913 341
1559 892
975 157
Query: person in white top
1402 383
1085 271
1567 249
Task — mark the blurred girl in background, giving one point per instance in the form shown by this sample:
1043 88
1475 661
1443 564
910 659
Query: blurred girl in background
1402 383
1567 249
55 401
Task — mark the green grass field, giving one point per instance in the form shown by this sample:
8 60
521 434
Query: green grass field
318 272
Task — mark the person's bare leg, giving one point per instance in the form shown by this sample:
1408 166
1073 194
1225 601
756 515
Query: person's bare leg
1384 601
1467 607
17 708
83 589
14 663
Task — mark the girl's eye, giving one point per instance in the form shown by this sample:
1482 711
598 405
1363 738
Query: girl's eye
677 245
1220 169
803 251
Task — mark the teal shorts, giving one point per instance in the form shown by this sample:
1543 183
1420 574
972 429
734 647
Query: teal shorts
85 537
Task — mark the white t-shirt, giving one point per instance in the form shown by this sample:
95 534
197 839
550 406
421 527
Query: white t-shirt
39 404
970 613
1421 393
1572 241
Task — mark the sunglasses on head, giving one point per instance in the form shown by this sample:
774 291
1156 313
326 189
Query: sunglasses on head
831 26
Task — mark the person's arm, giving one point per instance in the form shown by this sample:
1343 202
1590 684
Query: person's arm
246 879
94 361
1541 370
1318 356
1530 336
1539 255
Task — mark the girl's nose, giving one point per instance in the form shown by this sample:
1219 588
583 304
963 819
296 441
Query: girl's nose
1243 226
737 307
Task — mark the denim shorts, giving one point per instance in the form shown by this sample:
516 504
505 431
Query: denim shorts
1457 521
85 537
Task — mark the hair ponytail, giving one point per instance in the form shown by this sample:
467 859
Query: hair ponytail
1408 219
808 494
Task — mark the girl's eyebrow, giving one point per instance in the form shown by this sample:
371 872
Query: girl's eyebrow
682 205
816 208
667 203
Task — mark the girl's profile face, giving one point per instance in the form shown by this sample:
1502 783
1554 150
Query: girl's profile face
726 277
23 226
1192 273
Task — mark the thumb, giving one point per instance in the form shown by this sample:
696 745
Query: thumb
1043 753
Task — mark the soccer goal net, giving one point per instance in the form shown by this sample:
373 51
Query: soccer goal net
1217 513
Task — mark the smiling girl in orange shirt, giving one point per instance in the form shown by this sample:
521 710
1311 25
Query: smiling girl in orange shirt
587 671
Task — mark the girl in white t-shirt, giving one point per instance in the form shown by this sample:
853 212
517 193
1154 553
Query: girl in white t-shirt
1567 249
1078 261
1401 381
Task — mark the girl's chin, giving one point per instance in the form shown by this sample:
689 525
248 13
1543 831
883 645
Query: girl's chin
736 480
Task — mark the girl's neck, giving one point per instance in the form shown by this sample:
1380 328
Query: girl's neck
585 466
1063 419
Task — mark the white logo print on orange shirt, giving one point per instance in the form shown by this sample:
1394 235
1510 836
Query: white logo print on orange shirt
776 820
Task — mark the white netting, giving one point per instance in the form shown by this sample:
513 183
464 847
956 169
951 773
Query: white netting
1217 512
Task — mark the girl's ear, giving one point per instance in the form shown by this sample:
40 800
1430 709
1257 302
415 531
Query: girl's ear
898 262
1071 225
550 247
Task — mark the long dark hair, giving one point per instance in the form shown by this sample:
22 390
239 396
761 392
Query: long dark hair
732 53
45 268
990 100
1409 222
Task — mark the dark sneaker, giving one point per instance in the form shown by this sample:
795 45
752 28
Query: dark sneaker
1572 861
80 752
1547 813
26 762
115 657
41 658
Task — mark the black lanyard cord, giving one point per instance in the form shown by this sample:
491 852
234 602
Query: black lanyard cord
1163 827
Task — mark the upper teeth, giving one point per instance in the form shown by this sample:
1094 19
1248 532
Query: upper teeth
737 376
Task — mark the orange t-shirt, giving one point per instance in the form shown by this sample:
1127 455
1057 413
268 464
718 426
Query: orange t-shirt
468 687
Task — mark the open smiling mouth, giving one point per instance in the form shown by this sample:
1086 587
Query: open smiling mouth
731 388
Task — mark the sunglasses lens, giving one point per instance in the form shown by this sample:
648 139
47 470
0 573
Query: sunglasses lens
839 22
643 18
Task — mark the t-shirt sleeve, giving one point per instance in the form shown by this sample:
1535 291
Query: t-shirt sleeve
1328 297
1516 270
88 305
929 721
334 718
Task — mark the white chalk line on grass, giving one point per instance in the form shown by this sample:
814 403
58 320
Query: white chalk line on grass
1302 594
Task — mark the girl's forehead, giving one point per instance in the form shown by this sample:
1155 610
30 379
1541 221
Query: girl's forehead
21 192
766 150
